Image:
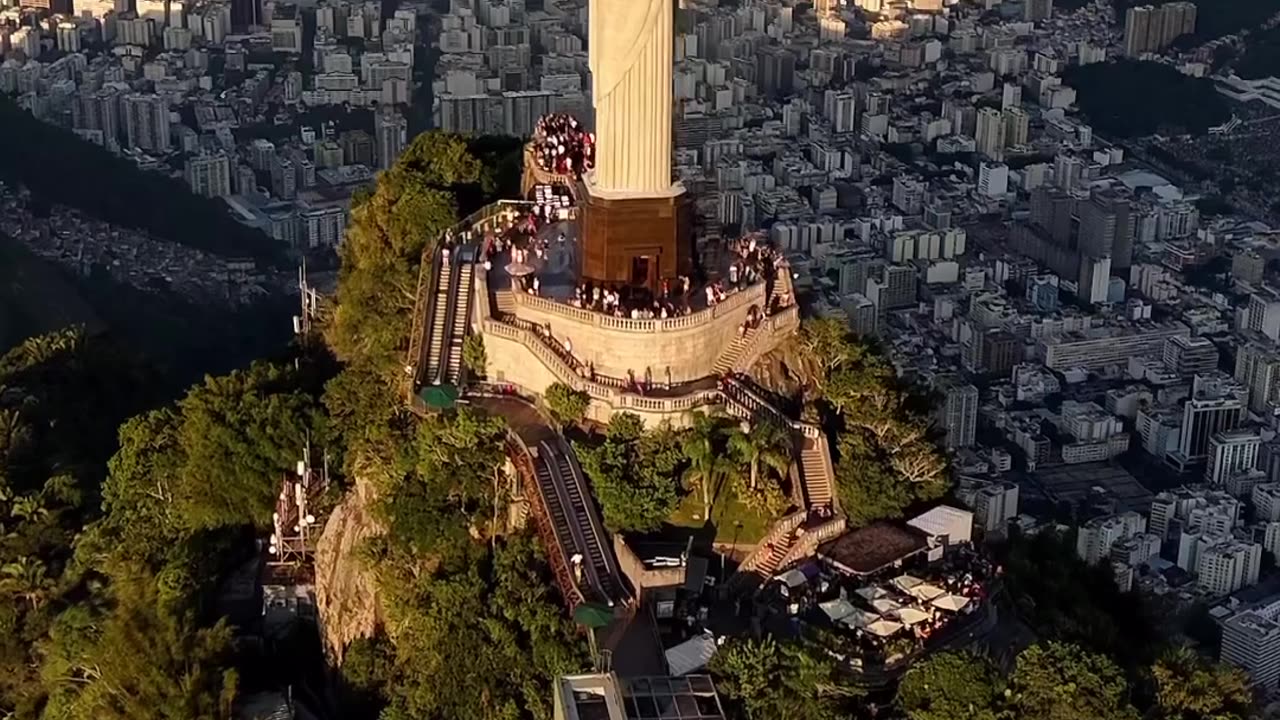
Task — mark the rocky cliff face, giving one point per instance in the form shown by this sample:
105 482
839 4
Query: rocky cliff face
784 370
347 591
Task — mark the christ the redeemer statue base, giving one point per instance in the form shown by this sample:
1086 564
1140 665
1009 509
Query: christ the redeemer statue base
635 239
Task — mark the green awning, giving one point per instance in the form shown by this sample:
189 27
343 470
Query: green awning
593 615
439 397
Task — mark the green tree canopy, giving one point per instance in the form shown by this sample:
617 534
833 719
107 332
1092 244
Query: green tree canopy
566 405
144 660
952 686
772 680
886 458
1189 687
1059 681
413 204
635 474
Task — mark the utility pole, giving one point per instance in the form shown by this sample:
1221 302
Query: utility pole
310 303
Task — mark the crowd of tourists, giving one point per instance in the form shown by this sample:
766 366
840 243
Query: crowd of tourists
562 145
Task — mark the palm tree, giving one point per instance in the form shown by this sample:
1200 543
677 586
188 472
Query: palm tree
767 443
707 462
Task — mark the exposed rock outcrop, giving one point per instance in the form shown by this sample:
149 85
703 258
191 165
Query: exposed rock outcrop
347 595
785 371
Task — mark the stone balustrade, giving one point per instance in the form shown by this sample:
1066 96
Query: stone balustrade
753 294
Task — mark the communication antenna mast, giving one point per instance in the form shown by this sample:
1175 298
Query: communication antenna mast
295 527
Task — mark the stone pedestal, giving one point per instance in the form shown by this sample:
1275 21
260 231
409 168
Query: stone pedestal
633 239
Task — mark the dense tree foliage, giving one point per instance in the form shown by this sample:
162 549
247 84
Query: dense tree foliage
1189 687
473 623
1059 681
635 474
766 449
566 405
887 460
782 680
102 612
1065 599
474 357
58 166
705 445
415 201
1054 681
1128 98
952 686
473 628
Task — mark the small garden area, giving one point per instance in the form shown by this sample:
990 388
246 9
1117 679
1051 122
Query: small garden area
718 474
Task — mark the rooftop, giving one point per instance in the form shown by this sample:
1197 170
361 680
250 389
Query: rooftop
605 696
866 550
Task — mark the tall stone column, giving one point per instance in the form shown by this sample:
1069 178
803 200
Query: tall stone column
635 220
631 57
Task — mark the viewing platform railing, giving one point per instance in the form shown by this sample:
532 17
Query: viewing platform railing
753 294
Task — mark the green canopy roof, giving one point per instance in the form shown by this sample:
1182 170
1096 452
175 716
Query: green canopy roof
593 615
439 397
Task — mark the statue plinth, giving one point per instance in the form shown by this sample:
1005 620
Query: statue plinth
634 239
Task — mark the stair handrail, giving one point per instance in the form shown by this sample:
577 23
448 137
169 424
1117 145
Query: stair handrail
555 549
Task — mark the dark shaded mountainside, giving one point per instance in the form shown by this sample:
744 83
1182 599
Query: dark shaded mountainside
182 339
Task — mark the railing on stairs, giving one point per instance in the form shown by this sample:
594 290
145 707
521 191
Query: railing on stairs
808 541
522 458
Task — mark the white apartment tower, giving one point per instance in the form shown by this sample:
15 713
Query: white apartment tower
1251 642
146 122
1097 536
209 175
390 135
1231 452
989 134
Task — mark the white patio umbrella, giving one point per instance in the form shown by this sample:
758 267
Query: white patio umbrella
884 606
872 592
906 582
884 628
954 603
859 619
911 616
926 591
837 609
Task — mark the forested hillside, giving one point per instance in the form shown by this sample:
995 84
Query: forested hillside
124 510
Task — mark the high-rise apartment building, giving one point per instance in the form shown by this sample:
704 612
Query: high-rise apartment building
209 175
1251 642
391 133
1153 28
1097 536
1228 566
775 71
357 148
1106 228
1266 502
989 134
1231 452
994 504
1263 314
1017 127
1037 10
146 122
958 415
1214 406
1190 356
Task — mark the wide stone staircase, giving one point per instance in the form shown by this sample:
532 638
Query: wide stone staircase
816 472
727 362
